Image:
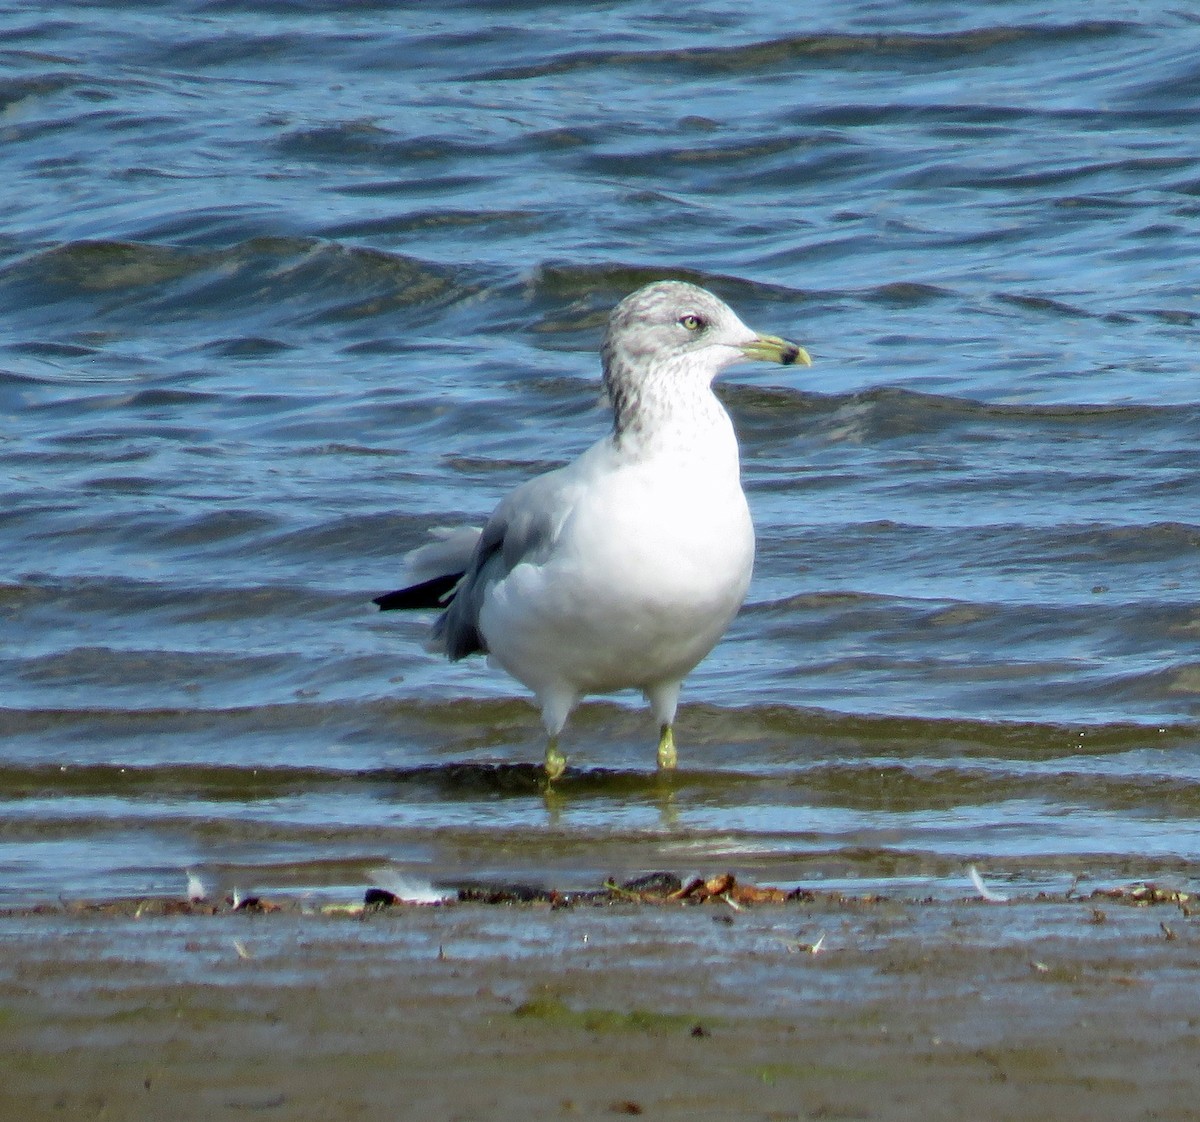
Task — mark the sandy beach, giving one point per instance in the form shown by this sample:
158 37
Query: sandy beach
824 1006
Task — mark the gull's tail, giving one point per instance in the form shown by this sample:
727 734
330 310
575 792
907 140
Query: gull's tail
433 570
427 594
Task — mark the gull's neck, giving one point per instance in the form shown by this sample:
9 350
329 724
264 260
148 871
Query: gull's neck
668 409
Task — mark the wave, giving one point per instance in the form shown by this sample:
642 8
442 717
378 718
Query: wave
274 279
980 428
875 735
830 48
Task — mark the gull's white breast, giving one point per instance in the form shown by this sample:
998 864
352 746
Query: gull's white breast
652 562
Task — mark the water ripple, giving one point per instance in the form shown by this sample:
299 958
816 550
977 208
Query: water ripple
285 288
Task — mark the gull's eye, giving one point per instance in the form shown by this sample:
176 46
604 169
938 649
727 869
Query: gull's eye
692 323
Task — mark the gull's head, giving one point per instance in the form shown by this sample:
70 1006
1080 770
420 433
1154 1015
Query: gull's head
676 326
665 344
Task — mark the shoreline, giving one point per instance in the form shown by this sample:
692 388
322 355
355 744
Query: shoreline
828 1006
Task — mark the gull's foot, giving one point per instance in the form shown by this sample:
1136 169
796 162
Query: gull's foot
556 762
667 756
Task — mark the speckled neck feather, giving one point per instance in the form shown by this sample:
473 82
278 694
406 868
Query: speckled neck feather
663 403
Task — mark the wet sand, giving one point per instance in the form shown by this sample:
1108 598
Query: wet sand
824 1007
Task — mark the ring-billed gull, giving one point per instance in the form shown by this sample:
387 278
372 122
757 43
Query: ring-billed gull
622 569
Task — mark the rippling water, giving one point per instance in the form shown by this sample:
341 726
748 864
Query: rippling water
283 285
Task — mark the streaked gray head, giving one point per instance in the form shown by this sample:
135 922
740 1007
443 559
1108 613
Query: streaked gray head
673 338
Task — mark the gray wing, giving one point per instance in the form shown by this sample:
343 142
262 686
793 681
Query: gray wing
524 527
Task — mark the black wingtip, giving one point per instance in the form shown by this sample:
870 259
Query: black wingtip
427 594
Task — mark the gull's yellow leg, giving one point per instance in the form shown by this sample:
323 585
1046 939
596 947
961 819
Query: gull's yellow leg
667 756
556 762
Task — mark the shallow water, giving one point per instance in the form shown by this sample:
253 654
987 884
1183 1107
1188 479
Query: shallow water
284 286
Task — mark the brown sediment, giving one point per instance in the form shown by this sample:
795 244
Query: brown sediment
651 888
705 999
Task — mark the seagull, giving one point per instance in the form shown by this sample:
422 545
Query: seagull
622 569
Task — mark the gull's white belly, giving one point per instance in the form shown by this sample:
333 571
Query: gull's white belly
646 575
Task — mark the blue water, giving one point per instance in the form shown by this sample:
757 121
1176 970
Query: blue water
284 285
